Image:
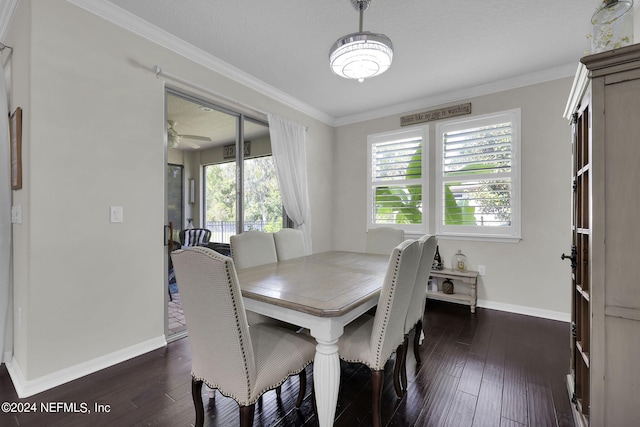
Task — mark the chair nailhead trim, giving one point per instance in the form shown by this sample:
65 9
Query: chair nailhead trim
230 278
387 309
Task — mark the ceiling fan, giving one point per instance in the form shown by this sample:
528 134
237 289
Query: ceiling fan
174 138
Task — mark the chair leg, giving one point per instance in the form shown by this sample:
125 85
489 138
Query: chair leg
416 341
246 415
303 387
196 394
403 367
377 380
397 370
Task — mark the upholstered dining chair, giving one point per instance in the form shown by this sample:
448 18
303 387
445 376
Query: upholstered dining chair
289 244
371 340
415 313
195 237
250 249
382 240
253 248
239 360
188 237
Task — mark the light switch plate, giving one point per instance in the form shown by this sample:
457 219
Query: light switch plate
116 214
16 214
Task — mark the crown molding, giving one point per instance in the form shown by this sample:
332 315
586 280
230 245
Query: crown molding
550 74
142 28
7 9
578 88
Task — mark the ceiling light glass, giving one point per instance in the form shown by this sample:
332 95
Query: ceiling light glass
612 25
363 54
611 10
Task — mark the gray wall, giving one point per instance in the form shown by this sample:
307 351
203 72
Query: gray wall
528 276
90 293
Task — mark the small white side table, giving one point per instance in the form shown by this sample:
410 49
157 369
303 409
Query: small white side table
469 276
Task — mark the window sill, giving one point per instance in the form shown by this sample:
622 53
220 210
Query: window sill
480 238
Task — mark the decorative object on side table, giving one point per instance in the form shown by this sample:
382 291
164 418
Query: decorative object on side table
437 261
447 287
612 25
459 261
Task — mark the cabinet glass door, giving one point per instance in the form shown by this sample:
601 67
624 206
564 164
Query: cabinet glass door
580 284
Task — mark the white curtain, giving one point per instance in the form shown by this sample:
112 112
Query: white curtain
290 158
6 312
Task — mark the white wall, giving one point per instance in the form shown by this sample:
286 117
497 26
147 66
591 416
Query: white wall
526 277
91 292
18 92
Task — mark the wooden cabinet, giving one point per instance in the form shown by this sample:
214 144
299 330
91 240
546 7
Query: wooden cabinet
604 109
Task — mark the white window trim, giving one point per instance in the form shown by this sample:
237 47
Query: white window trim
511 233
414 132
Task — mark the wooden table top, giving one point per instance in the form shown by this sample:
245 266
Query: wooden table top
327 284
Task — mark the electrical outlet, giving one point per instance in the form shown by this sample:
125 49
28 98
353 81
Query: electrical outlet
482 270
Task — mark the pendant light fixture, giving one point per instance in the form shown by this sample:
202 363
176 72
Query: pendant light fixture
363 54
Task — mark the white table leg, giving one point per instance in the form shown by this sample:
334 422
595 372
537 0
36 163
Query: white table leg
326 365
326 380
474 297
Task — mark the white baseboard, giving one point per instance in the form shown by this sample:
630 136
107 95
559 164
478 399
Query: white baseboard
528 311
26 388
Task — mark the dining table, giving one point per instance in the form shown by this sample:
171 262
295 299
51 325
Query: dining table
322 292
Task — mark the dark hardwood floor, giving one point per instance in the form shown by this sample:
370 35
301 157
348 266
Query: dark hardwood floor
488 369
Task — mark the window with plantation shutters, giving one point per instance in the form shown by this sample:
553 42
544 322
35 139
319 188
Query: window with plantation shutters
397 193
478 176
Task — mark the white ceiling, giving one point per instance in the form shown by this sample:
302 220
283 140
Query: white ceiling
443 49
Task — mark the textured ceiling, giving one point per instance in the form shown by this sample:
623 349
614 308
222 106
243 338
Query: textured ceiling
442 48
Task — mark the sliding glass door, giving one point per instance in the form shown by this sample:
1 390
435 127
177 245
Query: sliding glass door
243 198
220 176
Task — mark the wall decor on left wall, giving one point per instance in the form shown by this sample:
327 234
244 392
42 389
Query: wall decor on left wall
15 132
